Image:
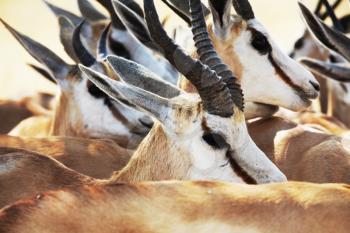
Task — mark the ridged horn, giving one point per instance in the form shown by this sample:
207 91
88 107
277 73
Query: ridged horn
209 56
214 93
244 9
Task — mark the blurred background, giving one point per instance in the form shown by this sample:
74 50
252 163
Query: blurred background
34 19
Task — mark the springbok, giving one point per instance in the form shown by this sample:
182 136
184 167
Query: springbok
82 109
336 41
197 206
119 40
194 137
307 46
96 158
267 74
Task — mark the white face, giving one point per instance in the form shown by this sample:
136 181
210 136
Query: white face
270 76
93 114
214 143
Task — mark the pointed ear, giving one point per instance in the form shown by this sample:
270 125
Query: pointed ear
139 76
331 38
66 35
59 11
89 12
338 72
58 68
157 106
134 23
221 11
43 73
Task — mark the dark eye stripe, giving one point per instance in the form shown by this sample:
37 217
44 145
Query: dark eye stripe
260 42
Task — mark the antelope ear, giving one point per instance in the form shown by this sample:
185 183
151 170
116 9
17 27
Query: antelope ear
89 12
221 12
338 72
155 105
57 67
329 37
59 12
139 76
134 23
66 35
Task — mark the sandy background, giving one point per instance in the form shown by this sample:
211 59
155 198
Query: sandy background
33 18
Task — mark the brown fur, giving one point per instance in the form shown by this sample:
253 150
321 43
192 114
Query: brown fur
184 207
302 154
12 112
95 158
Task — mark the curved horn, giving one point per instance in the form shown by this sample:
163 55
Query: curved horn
214 93
208 55
331 38
244 9
81 52
102 50
338 72
116 22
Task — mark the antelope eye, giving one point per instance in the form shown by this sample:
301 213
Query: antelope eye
261 44
94 90
215 140
299 44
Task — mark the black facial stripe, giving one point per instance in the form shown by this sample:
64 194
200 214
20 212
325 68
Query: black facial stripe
260 42
239 170
119 49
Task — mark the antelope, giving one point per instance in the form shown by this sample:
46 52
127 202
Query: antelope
82 110
197 206
259 64
195 136
331 91
339 90
118 39
14 111
301 152
96 158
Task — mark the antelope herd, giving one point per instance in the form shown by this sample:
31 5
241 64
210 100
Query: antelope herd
193 128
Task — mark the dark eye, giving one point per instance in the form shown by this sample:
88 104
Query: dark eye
299 44
215 140
260 43
95 91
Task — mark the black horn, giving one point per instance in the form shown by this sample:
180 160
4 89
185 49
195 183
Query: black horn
244 9
208 55
102 49
214 93
81 52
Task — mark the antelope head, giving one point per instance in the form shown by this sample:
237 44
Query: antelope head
335 41
129 38
266 73
82 109
307 46
207 128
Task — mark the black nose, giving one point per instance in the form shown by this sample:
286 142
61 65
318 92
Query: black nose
315 85
292 55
